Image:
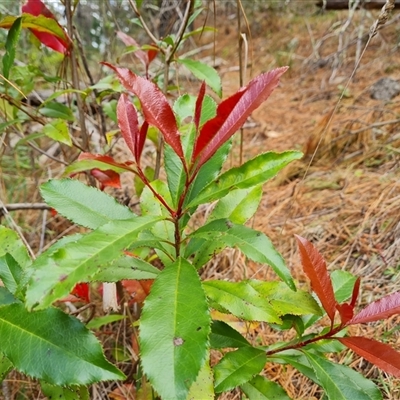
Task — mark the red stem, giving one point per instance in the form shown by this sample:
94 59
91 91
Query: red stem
327 335
158 196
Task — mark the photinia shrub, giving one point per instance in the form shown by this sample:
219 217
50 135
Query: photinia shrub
177 330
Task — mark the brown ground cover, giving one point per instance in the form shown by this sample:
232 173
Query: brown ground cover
344 195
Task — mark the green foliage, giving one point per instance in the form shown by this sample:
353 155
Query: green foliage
34 338
178 307
11 44
203 72
238 367
263 389
84 205
54 273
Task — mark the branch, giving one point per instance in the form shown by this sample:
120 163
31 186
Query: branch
25 206
144 25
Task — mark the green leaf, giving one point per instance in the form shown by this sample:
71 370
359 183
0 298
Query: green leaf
203 250
252 173
69 354
30 137
86 165
11 44
39 23
238 206
98 322
238 367
296 359
10 272
341 382
63 92
261 388
58 131
255 245
173 354
343 284
82 204
198 31
110 109
203 386
6 297
207 173
65 393
11 243
240 299
223 335
138 183
184 107
203 72
176 175
328 345
164 230
126 268
286 301
208 109
57 110
5 367
55 273
5 125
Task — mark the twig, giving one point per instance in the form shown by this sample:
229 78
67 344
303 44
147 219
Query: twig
74 75
24 206
99 109
181 31
142 21
11 221
47 154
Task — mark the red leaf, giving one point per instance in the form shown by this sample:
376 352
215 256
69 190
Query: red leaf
152 53
107 178
199 104
314 267
142 139
138 290
346 312
356 291
377 353
233 112
380 309
128 123
104 159
212 126
81 290
155 106
36 8
140 54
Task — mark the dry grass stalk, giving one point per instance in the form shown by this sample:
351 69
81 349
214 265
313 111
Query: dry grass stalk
382 17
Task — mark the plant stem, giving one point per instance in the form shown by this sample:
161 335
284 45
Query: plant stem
327 335
157 195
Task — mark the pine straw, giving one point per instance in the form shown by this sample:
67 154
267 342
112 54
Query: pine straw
351 213
348 201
